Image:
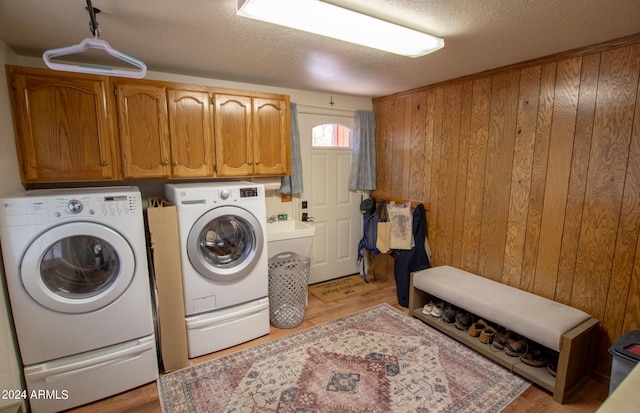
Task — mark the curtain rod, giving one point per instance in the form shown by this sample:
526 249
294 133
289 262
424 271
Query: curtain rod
321 110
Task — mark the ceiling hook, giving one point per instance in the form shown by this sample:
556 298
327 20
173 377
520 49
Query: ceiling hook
94 27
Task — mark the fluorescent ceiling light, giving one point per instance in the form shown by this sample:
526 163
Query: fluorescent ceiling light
326 19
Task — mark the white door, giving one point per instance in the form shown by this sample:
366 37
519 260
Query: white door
334 210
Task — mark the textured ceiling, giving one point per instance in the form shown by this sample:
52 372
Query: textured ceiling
206 38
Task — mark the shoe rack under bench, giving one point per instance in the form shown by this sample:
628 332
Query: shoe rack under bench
538 375
574 361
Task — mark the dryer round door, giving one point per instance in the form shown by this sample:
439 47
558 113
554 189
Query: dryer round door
225 243
77 267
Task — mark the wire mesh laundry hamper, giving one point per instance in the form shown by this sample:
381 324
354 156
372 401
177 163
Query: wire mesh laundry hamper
288 280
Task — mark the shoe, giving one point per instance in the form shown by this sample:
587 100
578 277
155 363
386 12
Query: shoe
463 320
552 365
516 345
486 336
535 356
437 310
500 338
426 310
449 314
476 328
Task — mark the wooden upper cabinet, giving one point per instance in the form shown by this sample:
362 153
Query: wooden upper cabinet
271 136
191 126
144 130
63 133
73 127
252 135
233 136
164 132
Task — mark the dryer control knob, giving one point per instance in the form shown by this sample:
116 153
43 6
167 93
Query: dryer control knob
74 206
224 194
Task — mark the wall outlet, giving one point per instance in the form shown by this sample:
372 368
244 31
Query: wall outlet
304 204
282 217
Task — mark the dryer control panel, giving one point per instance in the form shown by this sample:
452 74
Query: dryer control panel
248 192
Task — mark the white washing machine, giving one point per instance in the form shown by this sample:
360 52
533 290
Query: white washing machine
76 268
222 227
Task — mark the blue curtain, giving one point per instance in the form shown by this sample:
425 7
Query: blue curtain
363 159
293 184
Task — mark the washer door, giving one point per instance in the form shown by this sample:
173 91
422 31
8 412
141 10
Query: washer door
77 267
225 243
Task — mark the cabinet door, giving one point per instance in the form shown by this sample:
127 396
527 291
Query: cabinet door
191 138
62 129
234 151
144 131
271 136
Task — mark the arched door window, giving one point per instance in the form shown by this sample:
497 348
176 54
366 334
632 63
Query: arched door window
331 135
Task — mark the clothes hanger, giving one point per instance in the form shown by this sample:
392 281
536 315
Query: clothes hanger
94 43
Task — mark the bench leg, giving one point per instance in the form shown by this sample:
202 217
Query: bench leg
575 362
417 298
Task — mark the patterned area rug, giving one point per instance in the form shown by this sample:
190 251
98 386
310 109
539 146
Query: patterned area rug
376 360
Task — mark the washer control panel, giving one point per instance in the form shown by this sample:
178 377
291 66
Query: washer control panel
93 205
74 206
44 206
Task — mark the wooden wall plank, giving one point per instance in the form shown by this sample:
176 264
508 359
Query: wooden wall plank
578 177
521 175
436 162
398 145
384 139
495 206
631 314
429 130
406 147
476 167
538 175
557 179
461 182
448 171
418 157
632 310
605 181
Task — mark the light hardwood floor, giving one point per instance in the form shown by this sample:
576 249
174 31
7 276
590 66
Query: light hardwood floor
145 399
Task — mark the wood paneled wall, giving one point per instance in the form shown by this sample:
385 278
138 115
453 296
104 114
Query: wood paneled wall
533 175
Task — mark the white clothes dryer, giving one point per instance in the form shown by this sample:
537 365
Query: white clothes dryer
78 281
222 230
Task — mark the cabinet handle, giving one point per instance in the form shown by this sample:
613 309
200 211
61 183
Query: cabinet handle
104 163
249 163
175 163
164 162
257 162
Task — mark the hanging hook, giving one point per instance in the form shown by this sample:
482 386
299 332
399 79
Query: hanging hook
94 27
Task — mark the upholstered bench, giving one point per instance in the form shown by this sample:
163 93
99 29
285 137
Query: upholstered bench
569 331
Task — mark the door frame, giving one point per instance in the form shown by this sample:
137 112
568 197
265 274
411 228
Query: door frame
331 115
